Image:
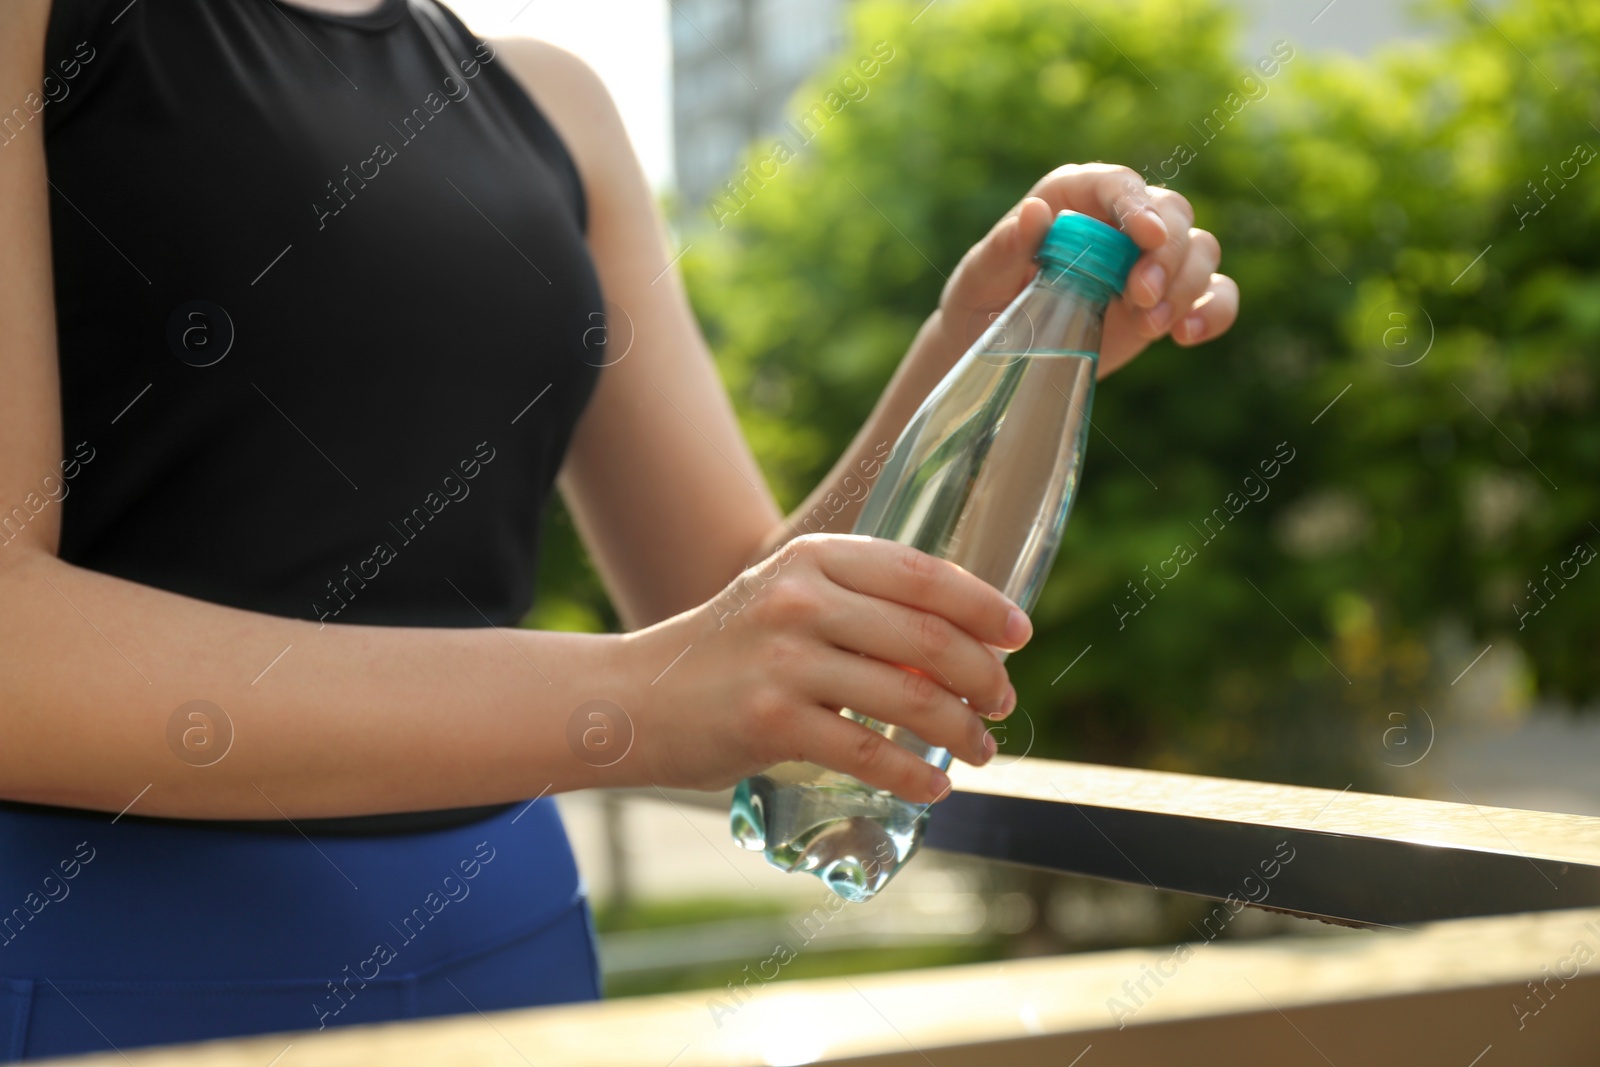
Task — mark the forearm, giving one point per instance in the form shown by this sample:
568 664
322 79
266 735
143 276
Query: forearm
325 720
833 505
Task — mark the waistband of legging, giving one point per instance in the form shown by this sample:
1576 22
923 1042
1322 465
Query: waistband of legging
403 822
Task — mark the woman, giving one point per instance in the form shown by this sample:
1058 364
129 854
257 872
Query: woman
274 448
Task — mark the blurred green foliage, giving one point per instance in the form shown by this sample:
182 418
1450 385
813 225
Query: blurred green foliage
1355 201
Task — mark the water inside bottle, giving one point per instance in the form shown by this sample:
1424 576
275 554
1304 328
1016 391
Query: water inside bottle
984 476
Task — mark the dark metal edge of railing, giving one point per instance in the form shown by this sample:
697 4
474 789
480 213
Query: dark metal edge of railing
1361 880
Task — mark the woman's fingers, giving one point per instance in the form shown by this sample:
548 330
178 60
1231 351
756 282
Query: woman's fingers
1211 314
935 646
1151 281
905 698
833 741
1172 288
1185 279
832 621
895 635
1111 194
1160 221
892 571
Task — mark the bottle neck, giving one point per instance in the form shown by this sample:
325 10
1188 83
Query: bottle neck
1061 310
1068 282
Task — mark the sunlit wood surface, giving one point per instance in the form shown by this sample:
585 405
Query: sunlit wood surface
1452 993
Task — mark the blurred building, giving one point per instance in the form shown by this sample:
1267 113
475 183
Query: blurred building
1354 26
735 64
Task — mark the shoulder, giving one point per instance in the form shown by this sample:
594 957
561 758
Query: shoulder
574 99
562 81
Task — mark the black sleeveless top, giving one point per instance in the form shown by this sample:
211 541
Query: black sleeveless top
326 313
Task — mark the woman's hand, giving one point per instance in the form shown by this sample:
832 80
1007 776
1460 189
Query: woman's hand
830 621
1174 288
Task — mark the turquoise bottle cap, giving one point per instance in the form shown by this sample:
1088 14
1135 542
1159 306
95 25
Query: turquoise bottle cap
1088 246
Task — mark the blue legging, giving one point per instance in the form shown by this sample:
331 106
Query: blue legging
140 932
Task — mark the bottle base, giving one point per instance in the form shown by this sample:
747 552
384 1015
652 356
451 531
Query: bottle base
804 818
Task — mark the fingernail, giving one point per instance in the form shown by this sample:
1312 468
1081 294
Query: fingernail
1007 703
1018 628
1193 328
989 746
1150 213
1155 283
941 783
1156 318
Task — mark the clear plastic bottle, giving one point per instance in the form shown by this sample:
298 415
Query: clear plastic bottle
984 475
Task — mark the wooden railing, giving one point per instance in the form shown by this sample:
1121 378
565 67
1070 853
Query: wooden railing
1453 993
1503 969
